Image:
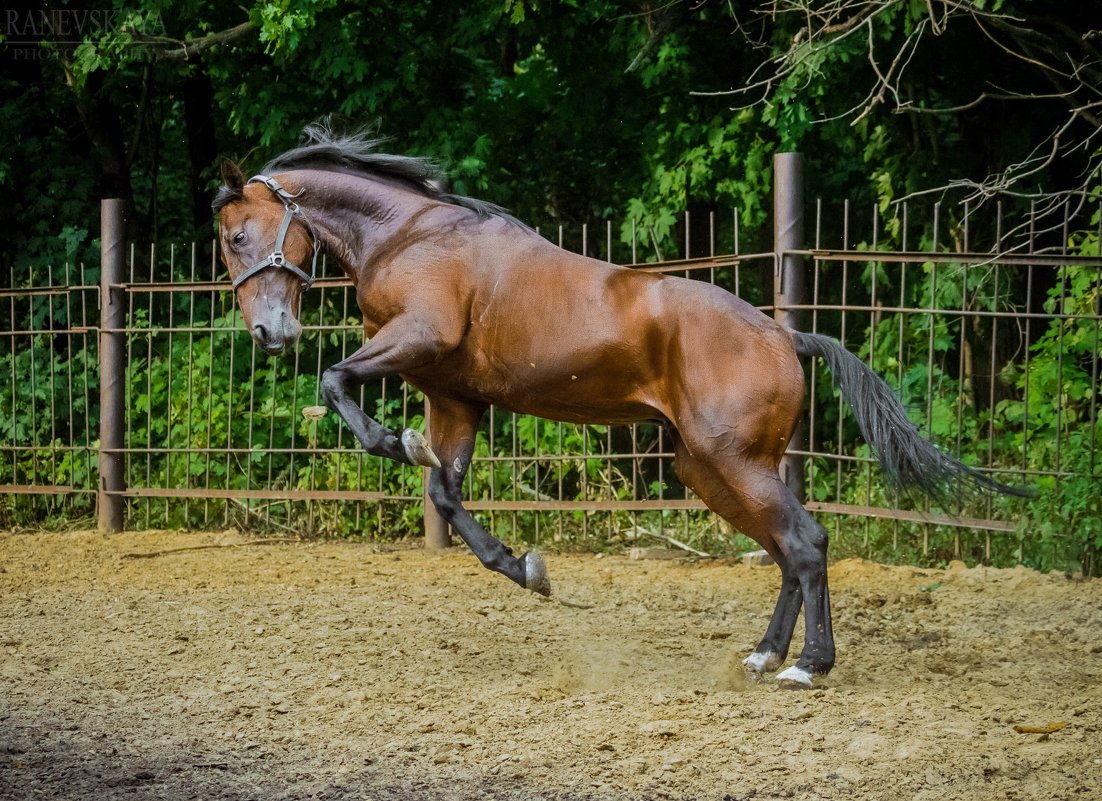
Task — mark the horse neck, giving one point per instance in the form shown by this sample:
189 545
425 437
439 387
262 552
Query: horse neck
354 215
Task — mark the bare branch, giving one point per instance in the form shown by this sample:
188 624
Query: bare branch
1039 64
910 108
1051 49
909 47
798 54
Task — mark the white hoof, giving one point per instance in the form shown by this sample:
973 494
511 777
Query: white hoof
794 678
760 662
418 450
535 574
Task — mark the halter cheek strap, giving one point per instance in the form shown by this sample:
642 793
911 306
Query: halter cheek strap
276 258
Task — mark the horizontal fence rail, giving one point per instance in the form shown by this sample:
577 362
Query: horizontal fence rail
988 327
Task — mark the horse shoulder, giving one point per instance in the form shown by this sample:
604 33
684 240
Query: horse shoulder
429 289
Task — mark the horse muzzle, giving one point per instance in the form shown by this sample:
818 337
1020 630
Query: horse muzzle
279 336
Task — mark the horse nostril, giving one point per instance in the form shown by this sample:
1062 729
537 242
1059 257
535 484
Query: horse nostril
260 334
290 328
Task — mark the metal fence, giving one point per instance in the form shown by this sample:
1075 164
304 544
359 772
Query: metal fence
987 323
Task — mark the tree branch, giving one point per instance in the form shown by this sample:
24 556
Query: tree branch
139 117
910 108
1053 50
191 47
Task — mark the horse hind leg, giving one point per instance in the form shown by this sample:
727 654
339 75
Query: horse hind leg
756 501
805 543
772 650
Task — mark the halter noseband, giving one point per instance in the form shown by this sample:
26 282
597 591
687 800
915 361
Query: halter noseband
276 257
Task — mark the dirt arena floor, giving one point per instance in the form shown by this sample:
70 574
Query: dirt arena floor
143 666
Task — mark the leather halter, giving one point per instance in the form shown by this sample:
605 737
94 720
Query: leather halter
276 257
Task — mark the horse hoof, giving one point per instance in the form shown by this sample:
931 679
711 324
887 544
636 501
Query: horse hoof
313 413
760 662
535 574
794 678
418 450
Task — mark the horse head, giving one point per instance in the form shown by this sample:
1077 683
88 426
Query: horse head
265 237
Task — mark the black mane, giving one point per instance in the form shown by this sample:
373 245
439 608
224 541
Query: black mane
356 152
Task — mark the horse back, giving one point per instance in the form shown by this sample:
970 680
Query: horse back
570 338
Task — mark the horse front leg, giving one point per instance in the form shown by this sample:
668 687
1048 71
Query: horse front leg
393 350
452 427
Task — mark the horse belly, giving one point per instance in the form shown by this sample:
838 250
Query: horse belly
597 386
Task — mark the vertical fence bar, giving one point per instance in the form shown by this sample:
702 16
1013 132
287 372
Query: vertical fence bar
112 360
788 276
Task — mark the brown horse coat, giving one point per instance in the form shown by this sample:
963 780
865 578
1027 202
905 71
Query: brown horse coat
474 308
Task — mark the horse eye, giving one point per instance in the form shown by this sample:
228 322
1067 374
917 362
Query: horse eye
239 237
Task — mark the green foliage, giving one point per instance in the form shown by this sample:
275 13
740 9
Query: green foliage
47 400
565 113
214 413
1056 421
1046 424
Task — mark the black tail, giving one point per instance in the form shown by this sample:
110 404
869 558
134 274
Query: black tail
909 460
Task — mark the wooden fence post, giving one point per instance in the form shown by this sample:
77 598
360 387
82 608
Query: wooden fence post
110 503
788 277
437 531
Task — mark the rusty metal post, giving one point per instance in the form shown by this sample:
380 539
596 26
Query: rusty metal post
437 531
112 364
788 277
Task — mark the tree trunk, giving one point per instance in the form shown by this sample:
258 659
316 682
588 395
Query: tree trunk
201 145
104 131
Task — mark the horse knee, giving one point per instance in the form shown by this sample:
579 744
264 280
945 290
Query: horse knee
332 386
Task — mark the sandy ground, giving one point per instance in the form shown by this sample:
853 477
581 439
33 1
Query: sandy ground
342 671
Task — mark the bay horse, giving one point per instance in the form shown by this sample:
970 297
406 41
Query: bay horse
473 308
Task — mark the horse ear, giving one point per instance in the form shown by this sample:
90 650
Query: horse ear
232 176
